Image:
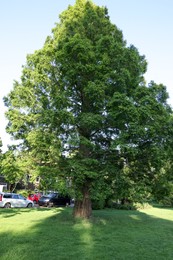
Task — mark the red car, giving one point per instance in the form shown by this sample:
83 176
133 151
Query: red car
34 197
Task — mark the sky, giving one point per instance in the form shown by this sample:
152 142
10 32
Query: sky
24 26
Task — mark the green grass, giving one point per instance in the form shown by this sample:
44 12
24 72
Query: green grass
38 234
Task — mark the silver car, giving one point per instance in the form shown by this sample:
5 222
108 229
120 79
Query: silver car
13 200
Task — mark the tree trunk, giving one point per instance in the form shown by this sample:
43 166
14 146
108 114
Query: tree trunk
82 207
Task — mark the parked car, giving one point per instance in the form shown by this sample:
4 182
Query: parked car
34 197
54 199
13 200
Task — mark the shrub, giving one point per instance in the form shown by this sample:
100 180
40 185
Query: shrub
98 204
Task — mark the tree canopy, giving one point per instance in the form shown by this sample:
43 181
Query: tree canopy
83 110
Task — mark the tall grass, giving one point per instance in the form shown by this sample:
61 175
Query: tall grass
39 234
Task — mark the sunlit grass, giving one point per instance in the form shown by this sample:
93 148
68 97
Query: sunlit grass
160 213
39 234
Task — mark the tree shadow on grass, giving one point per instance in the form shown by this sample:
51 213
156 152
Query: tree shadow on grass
109 234
7 213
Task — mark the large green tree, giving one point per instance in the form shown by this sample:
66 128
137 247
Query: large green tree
82 106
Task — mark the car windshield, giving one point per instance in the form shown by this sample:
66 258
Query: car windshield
50 195
21 197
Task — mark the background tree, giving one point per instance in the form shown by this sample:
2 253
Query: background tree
1 156
13 168
82 105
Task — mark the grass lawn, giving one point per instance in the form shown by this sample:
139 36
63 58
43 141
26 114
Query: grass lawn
38 234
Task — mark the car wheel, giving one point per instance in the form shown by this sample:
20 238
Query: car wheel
50 204
29 205
7 205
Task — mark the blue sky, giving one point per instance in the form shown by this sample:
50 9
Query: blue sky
24 26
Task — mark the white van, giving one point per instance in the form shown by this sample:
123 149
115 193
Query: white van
13 200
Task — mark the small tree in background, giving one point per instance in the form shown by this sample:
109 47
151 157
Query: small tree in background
11 167
1 156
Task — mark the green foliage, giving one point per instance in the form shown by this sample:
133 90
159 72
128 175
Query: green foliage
131 206
0 146
1 154
11 167
83 110
25 193
163 185
101 191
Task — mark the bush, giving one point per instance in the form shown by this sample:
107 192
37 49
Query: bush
25 193
128 206
131 206
98 204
